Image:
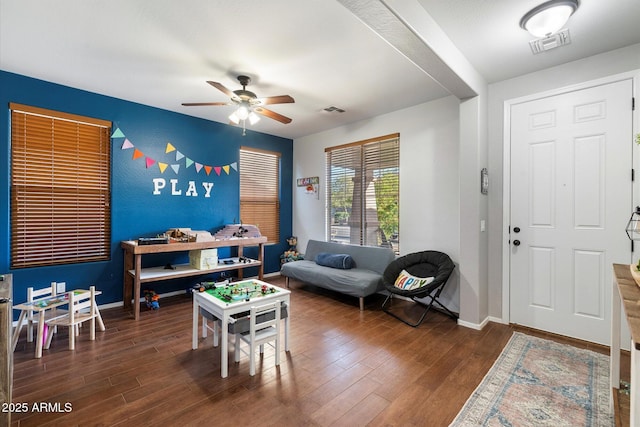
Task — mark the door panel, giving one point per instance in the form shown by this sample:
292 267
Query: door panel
571 194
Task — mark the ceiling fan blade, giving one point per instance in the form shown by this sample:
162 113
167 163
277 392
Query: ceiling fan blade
281 99
222 88
272 115
195 104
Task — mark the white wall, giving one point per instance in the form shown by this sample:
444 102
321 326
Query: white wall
473 205
429 179
607 64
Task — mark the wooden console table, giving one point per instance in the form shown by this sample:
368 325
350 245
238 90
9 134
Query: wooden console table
134 274
6 349
626 294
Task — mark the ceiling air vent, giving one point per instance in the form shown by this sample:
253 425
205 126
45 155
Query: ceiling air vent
558 39
333 109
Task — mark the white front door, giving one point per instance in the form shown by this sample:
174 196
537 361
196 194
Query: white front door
571 198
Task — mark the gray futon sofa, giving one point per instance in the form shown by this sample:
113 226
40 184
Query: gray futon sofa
362 279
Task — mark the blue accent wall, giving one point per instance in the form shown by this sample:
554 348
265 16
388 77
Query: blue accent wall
135 210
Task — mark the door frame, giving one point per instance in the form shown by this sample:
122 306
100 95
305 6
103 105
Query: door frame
634 76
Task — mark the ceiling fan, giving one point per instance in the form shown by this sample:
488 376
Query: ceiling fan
248 103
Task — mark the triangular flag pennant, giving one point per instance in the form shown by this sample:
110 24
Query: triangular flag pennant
117 133
126 144
179 155
198 167
188 162
217 169
149 162
169 148
226 169
207 169
234 165
137 154
175 168
162 166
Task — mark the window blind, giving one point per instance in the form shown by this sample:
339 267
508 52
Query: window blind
60 188
363 192
259 191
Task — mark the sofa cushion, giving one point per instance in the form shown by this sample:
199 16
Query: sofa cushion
356 282
407 281
365 257
341 261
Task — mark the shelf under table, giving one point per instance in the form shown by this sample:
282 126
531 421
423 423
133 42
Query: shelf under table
151 274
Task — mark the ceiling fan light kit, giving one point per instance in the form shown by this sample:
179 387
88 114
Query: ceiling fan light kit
253 118
248 104
549 17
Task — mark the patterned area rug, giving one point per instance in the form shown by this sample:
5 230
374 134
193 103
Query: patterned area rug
536 382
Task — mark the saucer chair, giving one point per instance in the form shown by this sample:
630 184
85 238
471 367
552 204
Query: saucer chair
429 268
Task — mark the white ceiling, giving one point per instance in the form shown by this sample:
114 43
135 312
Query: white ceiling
161 52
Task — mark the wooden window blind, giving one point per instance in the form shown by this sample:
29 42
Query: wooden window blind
363 190
60 188
259 191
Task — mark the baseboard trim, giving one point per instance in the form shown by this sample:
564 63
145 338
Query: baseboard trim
481 325
497 320
476 326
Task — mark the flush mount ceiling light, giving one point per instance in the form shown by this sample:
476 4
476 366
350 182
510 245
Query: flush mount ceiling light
549 17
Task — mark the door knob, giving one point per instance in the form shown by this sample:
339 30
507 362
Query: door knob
516 243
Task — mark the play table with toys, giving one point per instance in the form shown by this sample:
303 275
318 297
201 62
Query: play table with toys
225 300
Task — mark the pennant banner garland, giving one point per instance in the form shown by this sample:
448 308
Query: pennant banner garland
149 162
137 154
117 133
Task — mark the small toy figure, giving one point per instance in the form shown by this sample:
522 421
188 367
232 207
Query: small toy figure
292 253
152 299
293 242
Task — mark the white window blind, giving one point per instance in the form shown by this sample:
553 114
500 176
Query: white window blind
363 189
60 188
259 191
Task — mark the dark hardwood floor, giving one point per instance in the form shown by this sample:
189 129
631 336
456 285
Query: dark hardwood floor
345 368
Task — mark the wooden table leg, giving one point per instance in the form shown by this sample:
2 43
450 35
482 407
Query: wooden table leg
136 286
100 321
240 255
17 330
40 335
261 259
127 280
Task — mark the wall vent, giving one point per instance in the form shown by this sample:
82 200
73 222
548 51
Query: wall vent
544 44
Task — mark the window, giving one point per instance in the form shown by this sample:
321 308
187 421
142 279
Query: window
259 191
60 188
363 192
